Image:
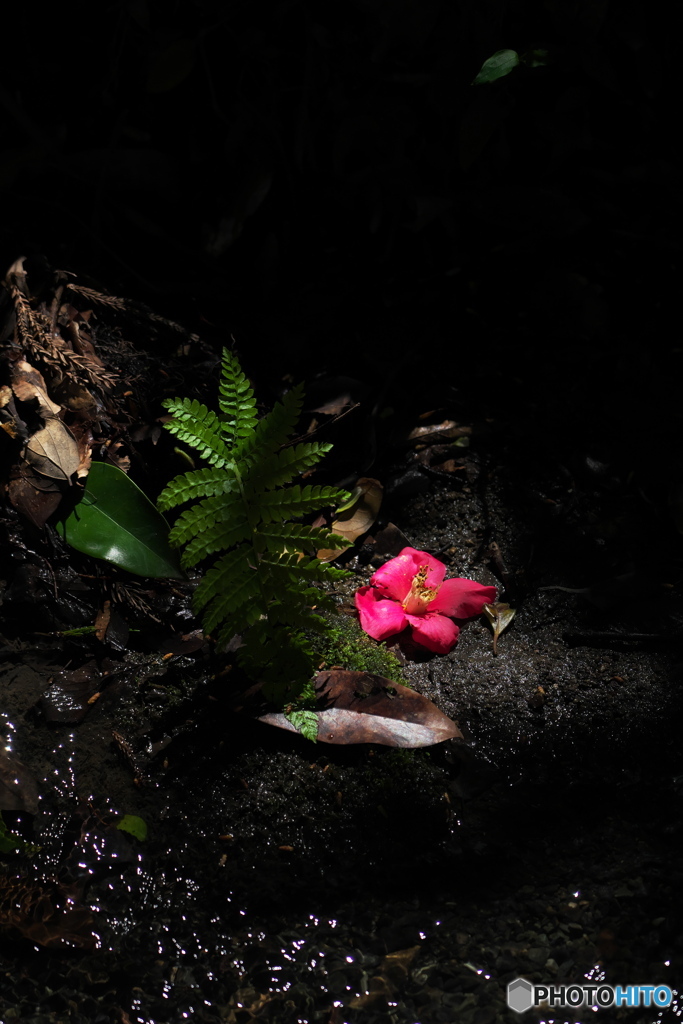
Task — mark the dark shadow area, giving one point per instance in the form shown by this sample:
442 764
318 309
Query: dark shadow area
476 285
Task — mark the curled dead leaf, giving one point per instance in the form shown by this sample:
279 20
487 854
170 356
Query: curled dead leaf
10 430
436 432
500 615
28 384
356 517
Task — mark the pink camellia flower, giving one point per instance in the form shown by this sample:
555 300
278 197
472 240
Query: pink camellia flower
410 591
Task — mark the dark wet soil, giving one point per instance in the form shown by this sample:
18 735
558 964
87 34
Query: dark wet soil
286 882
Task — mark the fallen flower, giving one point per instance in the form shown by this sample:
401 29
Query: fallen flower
410 591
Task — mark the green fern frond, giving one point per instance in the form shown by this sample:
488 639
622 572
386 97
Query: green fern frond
189 410
290 565
197 426
286 590
236 401
242 620
220 577
215 538
199 483
291 536
292 659
289 502
194 521
298 618
273 430
242 600
246 509
286 465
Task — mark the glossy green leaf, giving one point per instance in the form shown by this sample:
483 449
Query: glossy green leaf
134 825
498 66
115 520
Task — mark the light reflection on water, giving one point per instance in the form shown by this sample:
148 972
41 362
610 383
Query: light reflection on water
206 947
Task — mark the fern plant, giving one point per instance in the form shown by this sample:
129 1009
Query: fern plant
244 514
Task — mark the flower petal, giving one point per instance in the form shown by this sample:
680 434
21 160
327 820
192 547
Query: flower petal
396 577
435 632
379 617
462 598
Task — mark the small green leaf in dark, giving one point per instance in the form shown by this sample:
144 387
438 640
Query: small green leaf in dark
498 66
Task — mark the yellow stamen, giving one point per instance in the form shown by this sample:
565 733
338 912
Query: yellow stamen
419 595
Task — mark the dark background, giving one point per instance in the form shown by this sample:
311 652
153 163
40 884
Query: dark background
324 184
324 181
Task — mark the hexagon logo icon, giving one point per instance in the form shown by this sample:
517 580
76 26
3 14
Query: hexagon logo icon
520 995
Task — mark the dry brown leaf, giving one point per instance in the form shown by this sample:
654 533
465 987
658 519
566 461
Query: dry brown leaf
102 621
36 504
358 518
438 431
53 451
28 384
75 397
83 467
118 456
366 708
390 540
66 698
500 615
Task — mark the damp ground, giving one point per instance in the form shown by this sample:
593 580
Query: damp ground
286 882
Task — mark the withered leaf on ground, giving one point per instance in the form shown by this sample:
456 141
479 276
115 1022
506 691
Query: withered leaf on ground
53 451
180 646
117 633
36 503
333 395
389 541
359 707
441 458
436 432
357 517
119 456
102 620
66 698
28 384
10 421
44 912
390 976
500 615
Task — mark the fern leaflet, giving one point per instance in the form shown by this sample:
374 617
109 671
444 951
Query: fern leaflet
287 464
193 521
197 426
199 483
294 501
236 400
